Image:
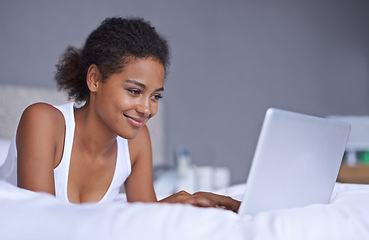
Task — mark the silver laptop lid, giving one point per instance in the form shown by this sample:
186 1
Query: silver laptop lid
296 161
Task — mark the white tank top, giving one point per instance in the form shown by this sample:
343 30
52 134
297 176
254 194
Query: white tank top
61 172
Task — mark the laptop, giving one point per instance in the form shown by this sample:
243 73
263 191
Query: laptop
296 162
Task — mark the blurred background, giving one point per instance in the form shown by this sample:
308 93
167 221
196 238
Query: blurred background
231 60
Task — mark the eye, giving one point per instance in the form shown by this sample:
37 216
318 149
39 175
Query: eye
157 97
134 91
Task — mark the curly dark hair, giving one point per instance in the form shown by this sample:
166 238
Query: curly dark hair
110 47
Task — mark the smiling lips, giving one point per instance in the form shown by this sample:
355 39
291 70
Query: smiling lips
137 122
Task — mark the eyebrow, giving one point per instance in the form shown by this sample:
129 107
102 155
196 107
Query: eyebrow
143 85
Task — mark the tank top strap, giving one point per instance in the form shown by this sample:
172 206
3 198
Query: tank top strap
121 173
61 172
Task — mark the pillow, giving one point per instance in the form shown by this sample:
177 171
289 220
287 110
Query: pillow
4 147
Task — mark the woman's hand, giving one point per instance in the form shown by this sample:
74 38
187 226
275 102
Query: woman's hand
204 199
221 201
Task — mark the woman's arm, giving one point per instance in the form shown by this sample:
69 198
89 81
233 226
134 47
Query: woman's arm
37 147
139 185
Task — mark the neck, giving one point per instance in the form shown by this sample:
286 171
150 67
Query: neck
92 135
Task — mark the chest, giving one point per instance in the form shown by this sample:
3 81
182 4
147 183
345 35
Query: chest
90 176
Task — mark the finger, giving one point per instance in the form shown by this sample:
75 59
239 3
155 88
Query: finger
220 200
201 201
179 197
230 204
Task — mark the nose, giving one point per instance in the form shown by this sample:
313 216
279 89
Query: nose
144 107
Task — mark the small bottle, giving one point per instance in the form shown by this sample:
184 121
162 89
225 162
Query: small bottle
185 170
183 161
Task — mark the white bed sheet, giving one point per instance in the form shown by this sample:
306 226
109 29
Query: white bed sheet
29 215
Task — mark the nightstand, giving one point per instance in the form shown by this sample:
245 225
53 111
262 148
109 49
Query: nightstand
354 174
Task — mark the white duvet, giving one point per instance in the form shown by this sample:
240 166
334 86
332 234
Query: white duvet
29 215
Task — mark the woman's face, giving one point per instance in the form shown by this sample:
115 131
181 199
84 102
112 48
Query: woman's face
125 101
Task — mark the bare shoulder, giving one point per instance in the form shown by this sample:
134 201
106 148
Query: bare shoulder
142 139
41 116
140 145
43 109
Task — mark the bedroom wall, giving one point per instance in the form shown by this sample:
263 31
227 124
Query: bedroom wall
231 60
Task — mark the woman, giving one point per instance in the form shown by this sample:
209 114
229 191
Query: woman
85 154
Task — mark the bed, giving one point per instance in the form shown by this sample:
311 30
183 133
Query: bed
29 215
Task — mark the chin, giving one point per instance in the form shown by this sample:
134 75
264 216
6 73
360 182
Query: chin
129 135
